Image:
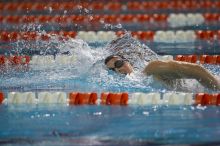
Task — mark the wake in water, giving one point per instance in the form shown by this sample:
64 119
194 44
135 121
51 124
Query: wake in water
86 73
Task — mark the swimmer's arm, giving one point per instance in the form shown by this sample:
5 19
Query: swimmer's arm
177 70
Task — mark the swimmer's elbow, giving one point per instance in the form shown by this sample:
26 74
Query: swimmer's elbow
153 67
149 68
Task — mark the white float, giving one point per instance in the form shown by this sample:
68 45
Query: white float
21 98
52 98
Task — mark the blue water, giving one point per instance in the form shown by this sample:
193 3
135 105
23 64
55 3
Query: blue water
87 74
109 125
64 79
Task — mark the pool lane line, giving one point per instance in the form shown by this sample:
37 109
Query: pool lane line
110 98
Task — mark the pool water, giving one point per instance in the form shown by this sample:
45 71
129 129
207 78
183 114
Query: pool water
86 73
109 125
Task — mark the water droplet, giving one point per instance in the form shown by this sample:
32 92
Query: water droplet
145 113
201 107
97 113
46 115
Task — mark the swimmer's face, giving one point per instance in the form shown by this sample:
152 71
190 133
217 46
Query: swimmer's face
119 65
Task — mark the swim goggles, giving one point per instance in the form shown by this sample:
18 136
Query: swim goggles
118 64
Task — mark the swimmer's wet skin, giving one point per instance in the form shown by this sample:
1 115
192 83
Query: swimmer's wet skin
182 70
118 64
168 71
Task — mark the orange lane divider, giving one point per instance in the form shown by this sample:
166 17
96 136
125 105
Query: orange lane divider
14 60
31 36
142 35
203 59
205 99
112 6
114 98
210 59
218 101
84 19
2 60
207 35
186 58
108 98
77 98
1 97
210 17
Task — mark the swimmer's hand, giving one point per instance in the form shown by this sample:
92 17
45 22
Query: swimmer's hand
171 70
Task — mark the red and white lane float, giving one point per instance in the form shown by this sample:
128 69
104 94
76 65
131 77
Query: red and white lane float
175 36
187 58
145 99
166 58
180 20
52 98
108 98
172 20
12 36
165 99
1 97
202 59
77 98
115 6
71 59
114 98
14 60
92 36
21 98
178 98
106 36
210 59
205 99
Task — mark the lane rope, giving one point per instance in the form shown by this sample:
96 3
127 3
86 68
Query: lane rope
109 98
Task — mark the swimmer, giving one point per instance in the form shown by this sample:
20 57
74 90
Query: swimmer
128 55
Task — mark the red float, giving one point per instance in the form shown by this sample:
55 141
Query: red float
114 98
76 98
134 6
2 60
1 97
114 6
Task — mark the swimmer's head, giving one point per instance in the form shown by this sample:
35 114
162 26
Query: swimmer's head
118 64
